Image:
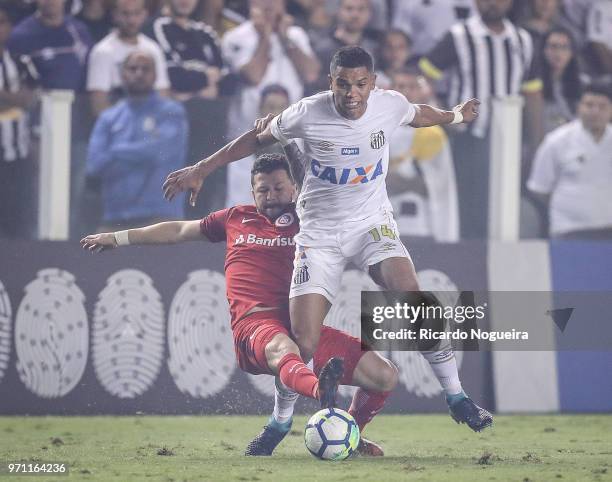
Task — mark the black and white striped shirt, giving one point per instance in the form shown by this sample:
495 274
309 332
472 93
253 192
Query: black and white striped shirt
484 65
189 52
14 128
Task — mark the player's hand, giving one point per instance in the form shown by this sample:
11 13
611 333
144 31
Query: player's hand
263 122
469 110
262 25
99 242
284 23
187 179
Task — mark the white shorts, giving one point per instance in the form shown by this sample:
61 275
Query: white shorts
319 269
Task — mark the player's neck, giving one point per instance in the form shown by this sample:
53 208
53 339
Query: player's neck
495 26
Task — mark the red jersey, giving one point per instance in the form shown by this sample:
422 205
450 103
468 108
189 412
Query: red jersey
259 256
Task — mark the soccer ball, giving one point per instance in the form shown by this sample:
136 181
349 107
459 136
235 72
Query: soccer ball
331 434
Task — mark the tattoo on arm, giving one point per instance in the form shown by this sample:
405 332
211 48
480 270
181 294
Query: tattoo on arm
297 161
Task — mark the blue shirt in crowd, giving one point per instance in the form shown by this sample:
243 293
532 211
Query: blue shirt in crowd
133 147
55 56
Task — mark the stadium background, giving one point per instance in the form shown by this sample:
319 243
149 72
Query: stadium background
68 345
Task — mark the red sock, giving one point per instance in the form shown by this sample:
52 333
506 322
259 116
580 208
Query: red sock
365 405
296 375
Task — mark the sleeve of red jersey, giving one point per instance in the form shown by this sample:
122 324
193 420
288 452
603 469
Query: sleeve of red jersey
213 225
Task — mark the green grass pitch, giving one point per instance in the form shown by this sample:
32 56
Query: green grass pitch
210 448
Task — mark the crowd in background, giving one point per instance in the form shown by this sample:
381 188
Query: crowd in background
161 83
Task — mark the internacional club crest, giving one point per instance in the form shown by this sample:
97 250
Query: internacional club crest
285 220
377 139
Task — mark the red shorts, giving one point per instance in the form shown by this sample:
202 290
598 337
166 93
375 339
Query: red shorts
253 333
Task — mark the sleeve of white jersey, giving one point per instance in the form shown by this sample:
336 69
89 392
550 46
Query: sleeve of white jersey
543 172
289 123
405 110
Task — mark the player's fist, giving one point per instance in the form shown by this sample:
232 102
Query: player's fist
187 179
263 122
262 25
99 242
469 110
284 23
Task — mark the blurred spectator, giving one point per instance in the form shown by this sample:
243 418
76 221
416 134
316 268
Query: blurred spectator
274 100
395 52
350 29
264 50
53 45
192 51
576 13
544 15
218 15
487 57
95 14
379 14
421 180
134 145
16 170
311 15
426 22
572 172
599 37
560 78
107 56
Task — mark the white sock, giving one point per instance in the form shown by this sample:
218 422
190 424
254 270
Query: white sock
284 401
444 366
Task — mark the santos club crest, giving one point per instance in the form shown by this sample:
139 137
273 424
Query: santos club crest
377 139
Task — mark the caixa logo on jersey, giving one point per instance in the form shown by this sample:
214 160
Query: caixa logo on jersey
348 175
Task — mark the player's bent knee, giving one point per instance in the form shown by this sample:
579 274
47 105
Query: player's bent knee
388 376
277 348
306 340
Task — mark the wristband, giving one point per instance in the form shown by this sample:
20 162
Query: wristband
122 238
458 116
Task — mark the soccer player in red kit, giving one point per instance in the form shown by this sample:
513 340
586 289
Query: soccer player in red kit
258 269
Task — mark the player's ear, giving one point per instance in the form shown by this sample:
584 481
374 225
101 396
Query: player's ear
329 77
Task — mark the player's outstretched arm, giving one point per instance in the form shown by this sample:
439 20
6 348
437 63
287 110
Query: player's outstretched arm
191 178
162 233
427 116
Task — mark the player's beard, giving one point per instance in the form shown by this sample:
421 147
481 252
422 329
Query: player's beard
273 211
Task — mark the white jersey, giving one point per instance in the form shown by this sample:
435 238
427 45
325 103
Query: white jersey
347 159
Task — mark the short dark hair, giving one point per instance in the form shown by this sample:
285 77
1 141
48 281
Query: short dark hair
598 87
267 163
272 89
351 57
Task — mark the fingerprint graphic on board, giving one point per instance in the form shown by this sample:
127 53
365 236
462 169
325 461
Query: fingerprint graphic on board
345 313
201 358
414 371
5 329
51 334
128 334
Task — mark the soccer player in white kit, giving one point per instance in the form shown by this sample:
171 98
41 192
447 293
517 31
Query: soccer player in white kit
345 214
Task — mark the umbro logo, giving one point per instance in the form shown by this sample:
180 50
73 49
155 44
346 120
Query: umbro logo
326 146
248 220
